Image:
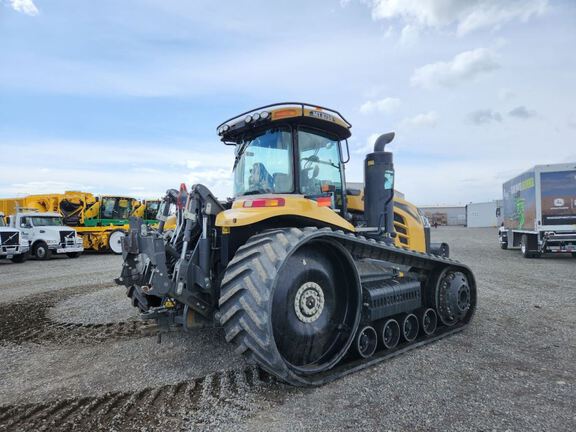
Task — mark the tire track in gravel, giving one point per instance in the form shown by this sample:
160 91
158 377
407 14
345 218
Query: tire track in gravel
26 320
199 404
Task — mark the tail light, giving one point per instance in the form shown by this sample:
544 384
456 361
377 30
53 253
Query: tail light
264 202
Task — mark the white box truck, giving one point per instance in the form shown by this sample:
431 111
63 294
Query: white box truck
539 211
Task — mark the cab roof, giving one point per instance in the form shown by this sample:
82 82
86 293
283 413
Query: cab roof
232 130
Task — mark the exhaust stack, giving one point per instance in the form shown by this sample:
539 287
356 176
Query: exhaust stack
379 186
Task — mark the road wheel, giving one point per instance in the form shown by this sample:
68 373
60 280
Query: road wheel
573 254
41 251
503 245
115 241
73 254
18 259
525 249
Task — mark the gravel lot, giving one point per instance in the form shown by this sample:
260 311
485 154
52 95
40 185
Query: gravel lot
85 364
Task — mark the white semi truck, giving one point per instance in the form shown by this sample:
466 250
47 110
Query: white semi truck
47 234
539 211
13 245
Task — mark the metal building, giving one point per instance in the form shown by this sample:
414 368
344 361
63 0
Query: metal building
481 215
446 215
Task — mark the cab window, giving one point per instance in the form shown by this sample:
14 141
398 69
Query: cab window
264 163
319 156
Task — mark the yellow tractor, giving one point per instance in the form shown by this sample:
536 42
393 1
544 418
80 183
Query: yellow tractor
308 279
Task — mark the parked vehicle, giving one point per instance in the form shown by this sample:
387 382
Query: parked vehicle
47 234
101 221
13 245
539 211
301 285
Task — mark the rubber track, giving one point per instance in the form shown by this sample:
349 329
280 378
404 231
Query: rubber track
245 298
26 321
161 408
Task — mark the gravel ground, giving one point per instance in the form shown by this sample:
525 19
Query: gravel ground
513 369
108 305
33 276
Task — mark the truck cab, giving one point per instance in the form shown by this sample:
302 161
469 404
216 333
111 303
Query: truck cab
47 234
13 245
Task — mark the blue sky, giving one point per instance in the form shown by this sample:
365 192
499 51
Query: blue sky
124 97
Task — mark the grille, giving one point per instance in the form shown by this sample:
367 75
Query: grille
11 238
67 237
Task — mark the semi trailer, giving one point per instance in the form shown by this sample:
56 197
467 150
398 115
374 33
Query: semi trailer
539 211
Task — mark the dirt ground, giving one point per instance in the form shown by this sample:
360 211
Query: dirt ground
75 356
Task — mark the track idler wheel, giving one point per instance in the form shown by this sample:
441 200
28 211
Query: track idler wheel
366 341
410 327
429 321
453 296
390 333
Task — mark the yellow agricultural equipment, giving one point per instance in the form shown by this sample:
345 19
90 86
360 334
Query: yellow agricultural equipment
102 221
309 279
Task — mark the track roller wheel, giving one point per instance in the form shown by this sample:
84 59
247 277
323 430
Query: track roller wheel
429 321
366 341
390 333
291 301
454 296
410 327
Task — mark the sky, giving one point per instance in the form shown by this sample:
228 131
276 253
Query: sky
124 97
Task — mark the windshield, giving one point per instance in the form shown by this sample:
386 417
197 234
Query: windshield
319 163
46 221
152 209
116 208
264 163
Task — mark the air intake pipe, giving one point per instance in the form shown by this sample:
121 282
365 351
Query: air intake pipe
379 186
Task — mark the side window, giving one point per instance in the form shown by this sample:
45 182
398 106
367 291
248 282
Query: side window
24 222
319 164
108 208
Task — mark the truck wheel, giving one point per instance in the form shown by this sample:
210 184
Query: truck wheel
20 258
573 254
115 241
73 254
524 247
41 251
503 245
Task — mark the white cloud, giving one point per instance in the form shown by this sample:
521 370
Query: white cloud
465 67
522 112
24 6
506 94
429 119
409 35
484 116
464 15
123 167
386 106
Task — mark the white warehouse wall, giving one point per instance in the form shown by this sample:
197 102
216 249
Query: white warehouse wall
480 215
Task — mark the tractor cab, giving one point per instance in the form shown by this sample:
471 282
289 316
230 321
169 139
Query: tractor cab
289 148
115 209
